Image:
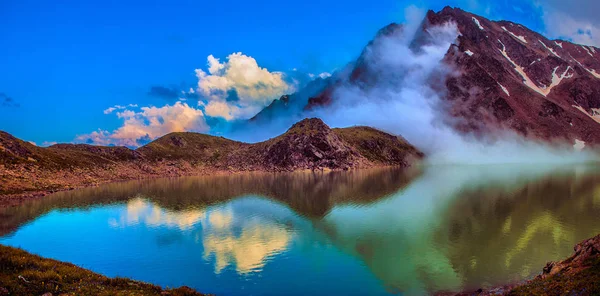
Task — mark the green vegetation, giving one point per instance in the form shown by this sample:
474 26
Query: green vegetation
22 273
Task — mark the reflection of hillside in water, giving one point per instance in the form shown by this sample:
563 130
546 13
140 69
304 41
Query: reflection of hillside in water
471 226
310 194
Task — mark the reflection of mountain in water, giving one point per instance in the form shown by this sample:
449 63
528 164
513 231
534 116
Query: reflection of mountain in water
448 229
310 194
466 227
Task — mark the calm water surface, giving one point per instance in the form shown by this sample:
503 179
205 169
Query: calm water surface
371 232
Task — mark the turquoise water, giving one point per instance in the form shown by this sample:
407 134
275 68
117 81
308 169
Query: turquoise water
370 232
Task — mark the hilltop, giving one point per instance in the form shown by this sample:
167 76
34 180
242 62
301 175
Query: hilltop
28 170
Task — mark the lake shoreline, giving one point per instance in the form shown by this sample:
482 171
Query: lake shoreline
23 273
16 199
577 275
294 190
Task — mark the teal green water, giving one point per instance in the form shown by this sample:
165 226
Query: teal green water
369 232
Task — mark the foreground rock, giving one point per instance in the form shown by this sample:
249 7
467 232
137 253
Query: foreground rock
24 274
27 170
576 275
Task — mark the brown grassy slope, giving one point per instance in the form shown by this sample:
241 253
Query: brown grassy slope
22 273
191 147
378 146
308 145
25 167
576 275
16 151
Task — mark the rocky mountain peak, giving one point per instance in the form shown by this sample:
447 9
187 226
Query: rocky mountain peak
309 125
505 77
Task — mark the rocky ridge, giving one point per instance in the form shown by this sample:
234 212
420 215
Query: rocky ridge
310 144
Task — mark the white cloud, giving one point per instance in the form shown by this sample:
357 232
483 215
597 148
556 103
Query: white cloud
238 87
48 143
99 137
118 107
574 20
109 110
322 75
149 124
222 109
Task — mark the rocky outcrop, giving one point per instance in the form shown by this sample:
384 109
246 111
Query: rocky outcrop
585 252
310 144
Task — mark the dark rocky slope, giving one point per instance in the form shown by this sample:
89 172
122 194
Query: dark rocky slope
504 76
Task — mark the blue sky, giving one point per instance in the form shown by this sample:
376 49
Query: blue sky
64 65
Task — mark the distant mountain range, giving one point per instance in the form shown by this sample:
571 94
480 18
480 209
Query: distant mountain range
310 144
505 76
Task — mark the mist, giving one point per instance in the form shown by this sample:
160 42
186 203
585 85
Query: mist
401 100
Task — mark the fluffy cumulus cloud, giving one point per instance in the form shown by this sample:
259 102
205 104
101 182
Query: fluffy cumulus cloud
238 87
148 124
575 20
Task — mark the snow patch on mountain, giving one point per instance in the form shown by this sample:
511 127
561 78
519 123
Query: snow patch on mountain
592 71
478 24
544 90
559 44
556 80
549 49
504 89
468 52
587 50
535 62
528 82
513 34
595 113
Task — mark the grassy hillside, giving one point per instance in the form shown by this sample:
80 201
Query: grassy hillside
22 273
28 170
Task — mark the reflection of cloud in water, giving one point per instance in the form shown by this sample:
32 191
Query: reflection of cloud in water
141 211
232 233
245 234
248 251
